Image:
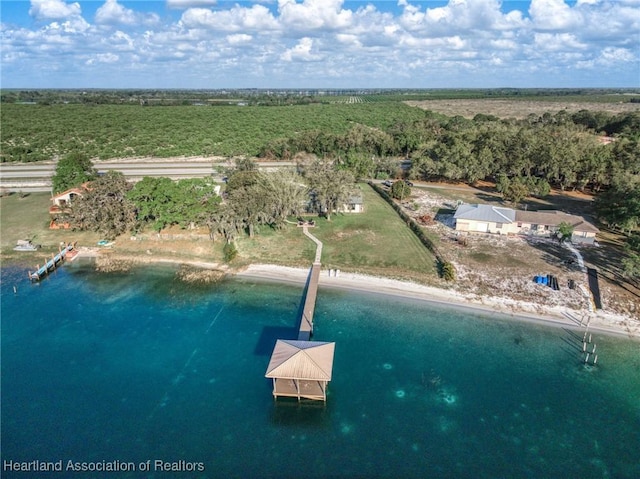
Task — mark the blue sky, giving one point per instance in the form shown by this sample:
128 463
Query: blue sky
320 44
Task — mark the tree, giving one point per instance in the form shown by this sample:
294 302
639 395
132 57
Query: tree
400 190
250 208
72 170
105 208
565 232
230 252
515 191
619 206
448 271
241 179
224 221
285 192
330 188
164 202
631 263
152 198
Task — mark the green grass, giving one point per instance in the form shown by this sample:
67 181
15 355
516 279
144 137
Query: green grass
28 218
374 242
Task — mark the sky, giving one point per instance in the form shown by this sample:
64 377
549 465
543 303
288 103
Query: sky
216 44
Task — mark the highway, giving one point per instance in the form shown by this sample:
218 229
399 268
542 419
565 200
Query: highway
34 177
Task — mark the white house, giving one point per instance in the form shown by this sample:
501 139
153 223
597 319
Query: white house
478 218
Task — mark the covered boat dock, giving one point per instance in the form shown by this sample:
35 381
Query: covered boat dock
301 369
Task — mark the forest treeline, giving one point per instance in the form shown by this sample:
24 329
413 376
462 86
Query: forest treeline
562 150
289 96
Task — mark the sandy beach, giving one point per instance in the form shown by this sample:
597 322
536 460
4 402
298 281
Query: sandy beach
600 321
506 307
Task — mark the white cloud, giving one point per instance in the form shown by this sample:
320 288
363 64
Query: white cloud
470 16
301 52
314 14
611 56
553 15
53 9
112 13
182 4
239 38
255 18
103 58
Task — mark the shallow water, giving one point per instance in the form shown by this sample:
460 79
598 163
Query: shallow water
139 366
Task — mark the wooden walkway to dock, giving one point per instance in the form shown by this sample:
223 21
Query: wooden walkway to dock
53 263
306 322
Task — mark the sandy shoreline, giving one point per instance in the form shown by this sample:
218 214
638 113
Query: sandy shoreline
507 308
600 321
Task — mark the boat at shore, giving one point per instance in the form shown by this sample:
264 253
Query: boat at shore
26 245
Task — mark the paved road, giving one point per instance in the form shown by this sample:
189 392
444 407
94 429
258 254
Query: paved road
31 177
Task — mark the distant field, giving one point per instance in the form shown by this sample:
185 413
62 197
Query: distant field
519 108
41 132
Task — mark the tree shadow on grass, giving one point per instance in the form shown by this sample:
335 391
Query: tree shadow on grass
554 253
607 259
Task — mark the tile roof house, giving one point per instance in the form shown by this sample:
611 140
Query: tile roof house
498 220
61 206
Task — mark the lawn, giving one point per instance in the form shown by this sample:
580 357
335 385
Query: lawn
374 242
28 218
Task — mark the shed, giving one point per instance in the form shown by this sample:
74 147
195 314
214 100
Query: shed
354 204
301 369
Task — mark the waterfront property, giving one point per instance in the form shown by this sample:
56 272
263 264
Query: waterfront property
137 368
477 218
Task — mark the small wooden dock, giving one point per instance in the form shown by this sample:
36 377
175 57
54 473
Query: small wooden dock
53 263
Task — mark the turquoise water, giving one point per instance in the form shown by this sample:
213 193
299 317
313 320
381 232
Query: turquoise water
139 366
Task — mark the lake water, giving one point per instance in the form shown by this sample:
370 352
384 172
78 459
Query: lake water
140 367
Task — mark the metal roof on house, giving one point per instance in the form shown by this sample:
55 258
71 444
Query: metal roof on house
311 360
485 213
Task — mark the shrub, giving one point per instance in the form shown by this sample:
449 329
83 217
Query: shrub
448 271
230 252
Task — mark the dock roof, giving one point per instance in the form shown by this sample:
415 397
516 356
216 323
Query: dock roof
312 360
